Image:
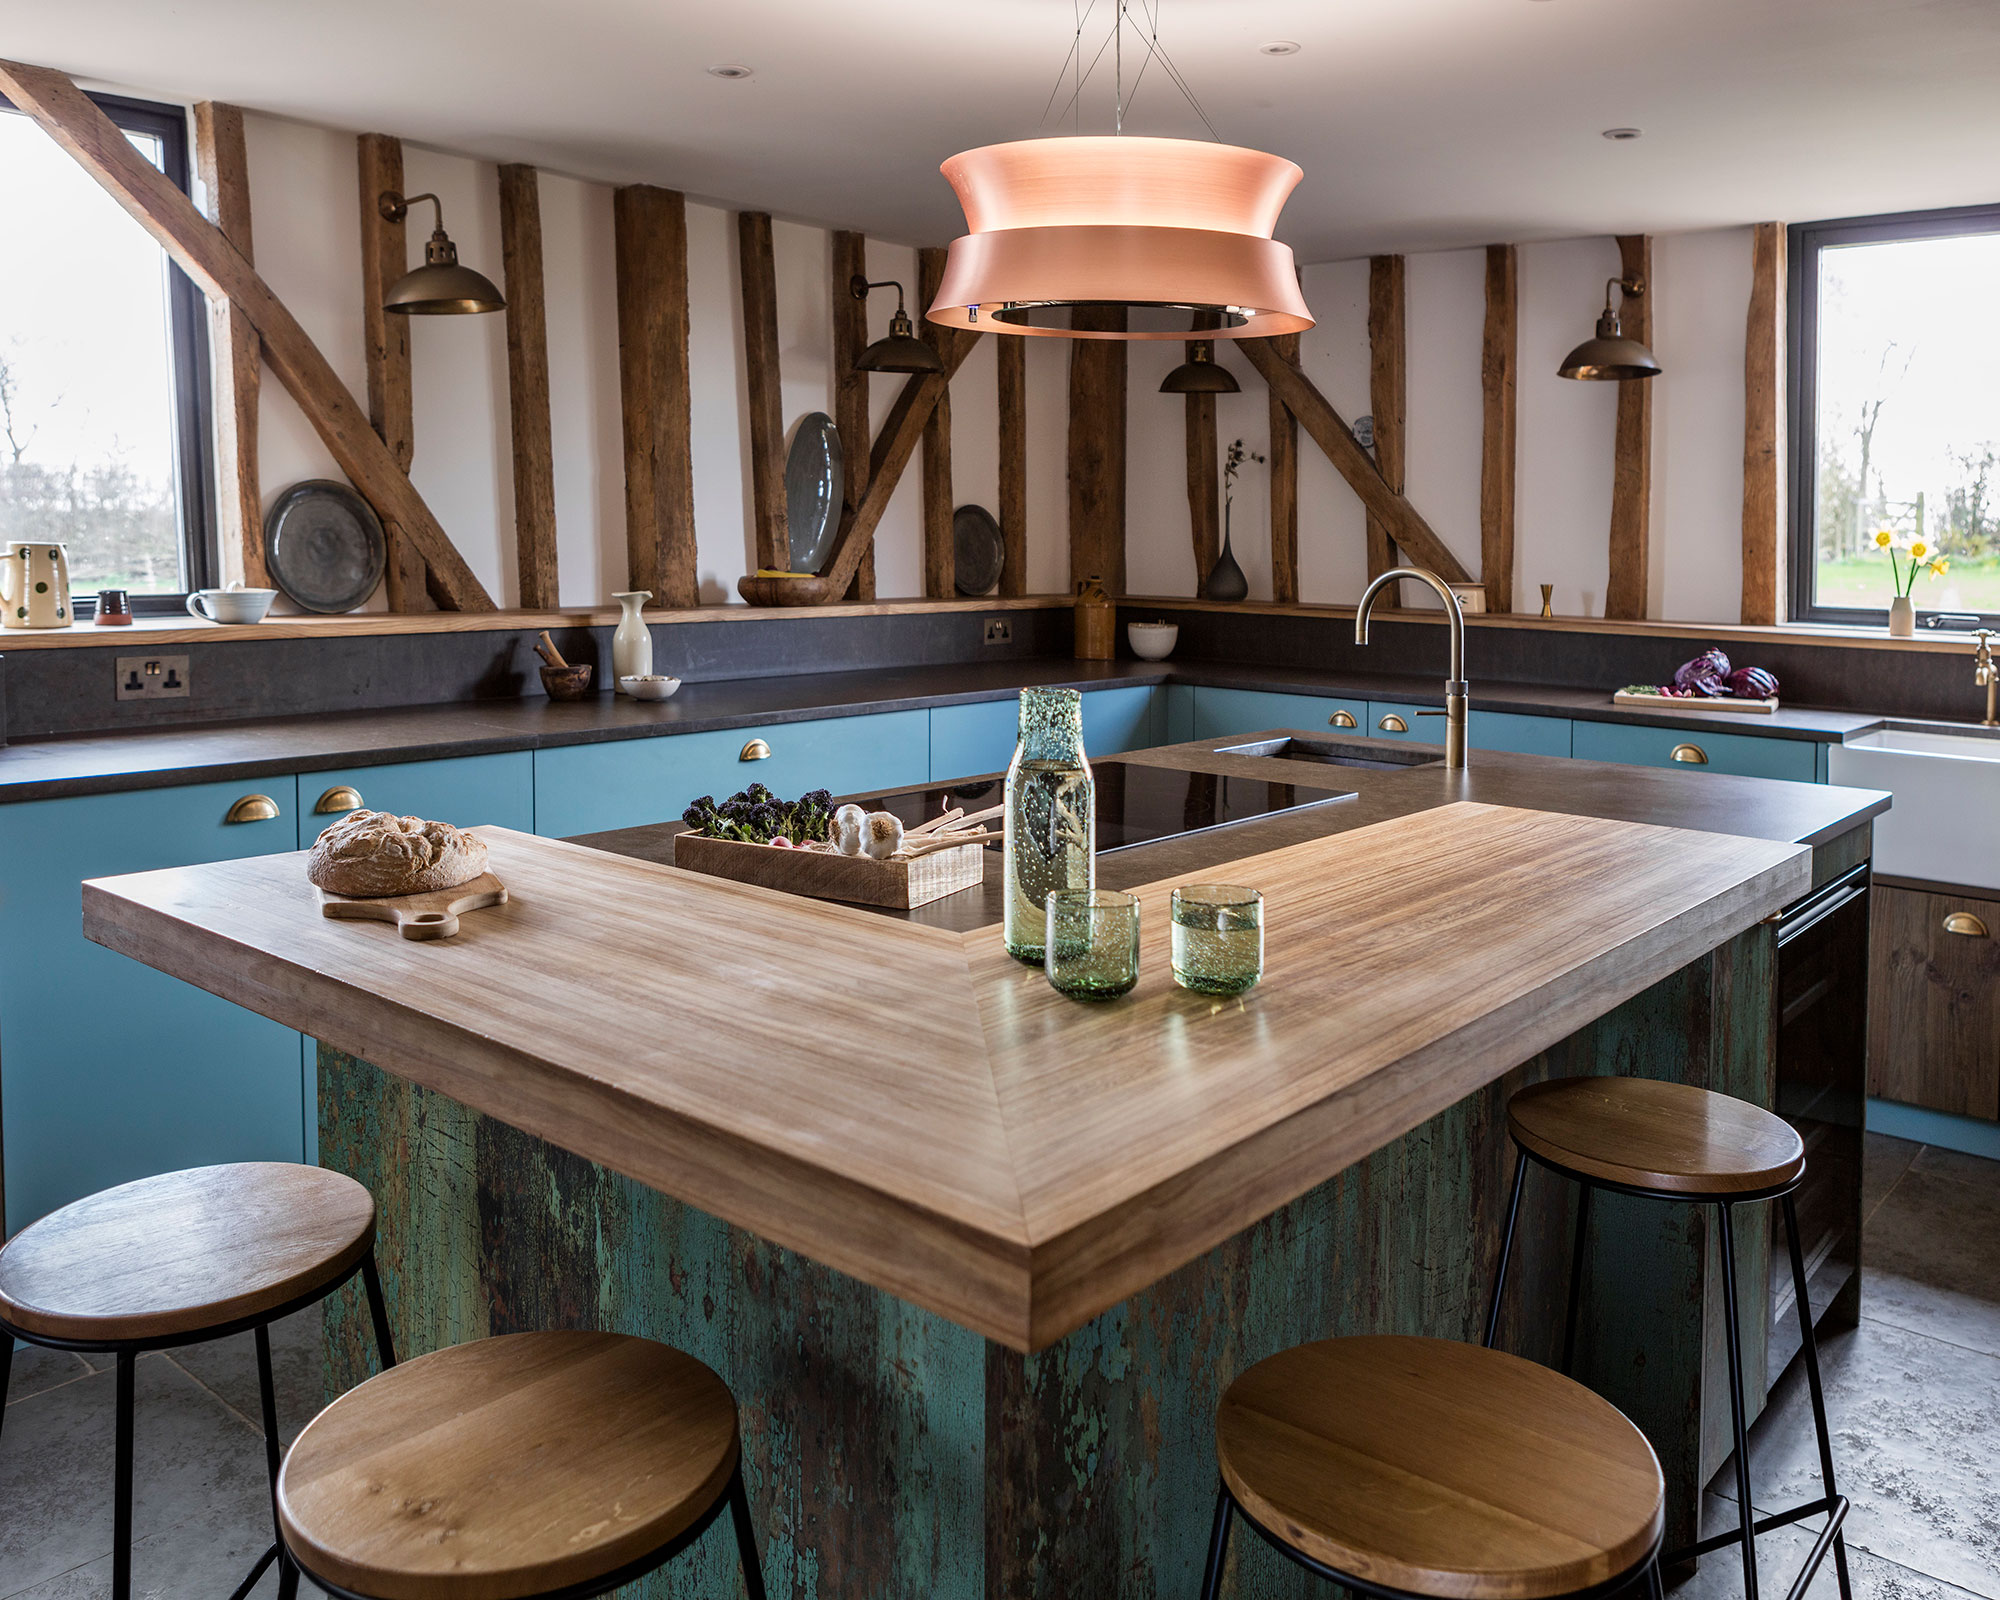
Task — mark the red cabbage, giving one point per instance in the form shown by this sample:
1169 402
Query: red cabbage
1752 683
1706 675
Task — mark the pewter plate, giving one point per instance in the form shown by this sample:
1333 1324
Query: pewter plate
977 551
815 478
324 546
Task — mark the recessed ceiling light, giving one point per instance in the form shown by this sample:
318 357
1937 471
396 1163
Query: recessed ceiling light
1621 133
729 69
1280 47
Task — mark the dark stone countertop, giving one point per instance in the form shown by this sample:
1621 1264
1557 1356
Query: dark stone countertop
101 763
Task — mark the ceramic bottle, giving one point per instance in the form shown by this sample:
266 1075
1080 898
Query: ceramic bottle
632 644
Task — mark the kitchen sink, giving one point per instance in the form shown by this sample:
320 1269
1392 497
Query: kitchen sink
1327 753
1945 824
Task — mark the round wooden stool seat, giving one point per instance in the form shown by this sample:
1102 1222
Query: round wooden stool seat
1440 1468
183 1253
507 1467
1671 1138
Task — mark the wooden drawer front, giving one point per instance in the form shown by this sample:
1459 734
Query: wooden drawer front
590 788
465 790
1746 755
1219 713
1934 1002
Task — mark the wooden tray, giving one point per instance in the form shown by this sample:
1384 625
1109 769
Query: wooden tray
1682 702
900 884
418 916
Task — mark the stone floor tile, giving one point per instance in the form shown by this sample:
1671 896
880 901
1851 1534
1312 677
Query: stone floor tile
228 1367
36 1370
1932 1252
1884 1160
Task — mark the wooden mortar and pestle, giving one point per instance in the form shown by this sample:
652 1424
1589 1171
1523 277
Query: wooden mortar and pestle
559 678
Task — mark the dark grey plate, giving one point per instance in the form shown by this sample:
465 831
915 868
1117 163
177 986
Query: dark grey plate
324 546
977 551
815 478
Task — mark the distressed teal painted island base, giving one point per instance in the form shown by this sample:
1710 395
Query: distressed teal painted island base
892 1453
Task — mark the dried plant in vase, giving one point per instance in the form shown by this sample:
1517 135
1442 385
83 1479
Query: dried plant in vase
1225 579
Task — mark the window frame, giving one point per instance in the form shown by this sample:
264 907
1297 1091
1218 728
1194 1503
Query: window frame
192 388
1804 243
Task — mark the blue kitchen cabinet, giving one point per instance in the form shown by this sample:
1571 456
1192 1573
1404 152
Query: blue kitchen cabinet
1180 713
968 740
1220 713
110 1070
1747 755
465 790
1117 720
591 788
1485 730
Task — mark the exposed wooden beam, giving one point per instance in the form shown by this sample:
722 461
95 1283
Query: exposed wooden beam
649 234
1497 447
1097 451
850 387
759 272
528 388
385 349
1011 364
1388 396
1284 471
235 350
939 556
1763 427
1317 416
1204 476
1632 463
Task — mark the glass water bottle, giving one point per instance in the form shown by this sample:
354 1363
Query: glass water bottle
1051 829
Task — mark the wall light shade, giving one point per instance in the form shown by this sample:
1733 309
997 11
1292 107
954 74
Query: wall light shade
1200 375
902 350
1609 354
440 287
1162 229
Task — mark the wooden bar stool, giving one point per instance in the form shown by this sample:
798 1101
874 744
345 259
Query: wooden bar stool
1406 1467
1671 1141
535 1466
181 1259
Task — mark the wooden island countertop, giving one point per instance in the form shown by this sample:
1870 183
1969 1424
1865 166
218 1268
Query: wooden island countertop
907 1104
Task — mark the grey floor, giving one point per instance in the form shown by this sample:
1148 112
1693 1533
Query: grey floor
1914 1396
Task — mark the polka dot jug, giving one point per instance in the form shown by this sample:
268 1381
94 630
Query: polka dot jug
34 585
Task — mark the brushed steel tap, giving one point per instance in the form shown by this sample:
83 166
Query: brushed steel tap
1456 690
1985 674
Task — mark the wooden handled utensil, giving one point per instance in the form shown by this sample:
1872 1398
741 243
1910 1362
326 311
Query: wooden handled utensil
545 647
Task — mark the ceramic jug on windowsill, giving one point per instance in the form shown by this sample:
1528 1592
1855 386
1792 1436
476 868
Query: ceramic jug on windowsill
1902 618
34 586
632 644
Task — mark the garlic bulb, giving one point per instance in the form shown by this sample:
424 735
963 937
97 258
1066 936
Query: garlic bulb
850 830
885 835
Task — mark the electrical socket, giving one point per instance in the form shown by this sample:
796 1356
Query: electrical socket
999 631
152 677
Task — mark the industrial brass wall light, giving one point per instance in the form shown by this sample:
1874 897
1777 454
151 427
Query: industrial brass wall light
1199 374
1610 354
902 351
440 286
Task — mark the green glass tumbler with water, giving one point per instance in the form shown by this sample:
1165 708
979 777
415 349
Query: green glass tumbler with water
1092 943
1218 937
1050 835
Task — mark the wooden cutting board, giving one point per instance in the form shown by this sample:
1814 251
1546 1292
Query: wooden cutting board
418 916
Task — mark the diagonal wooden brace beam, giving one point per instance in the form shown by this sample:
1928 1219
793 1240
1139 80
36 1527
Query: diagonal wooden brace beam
68 116
1302 398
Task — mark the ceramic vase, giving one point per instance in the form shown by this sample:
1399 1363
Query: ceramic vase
632 644
1225 578
34 586
1902 618
1050 835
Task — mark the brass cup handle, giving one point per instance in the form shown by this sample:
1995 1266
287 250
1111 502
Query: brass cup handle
1692 754
755 750
341 797
1966 923
1393 724
1342 719
253 808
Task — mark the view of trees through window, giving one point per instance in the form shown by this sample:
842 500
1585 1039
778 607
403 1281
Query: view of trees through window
87 436
1908 420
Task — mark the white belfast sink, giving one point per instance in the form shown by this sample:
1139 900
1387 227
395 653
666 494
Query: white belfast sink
1945 824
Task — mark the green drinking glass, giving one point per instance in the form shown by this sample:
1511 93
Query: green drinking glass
1090 948
1218 937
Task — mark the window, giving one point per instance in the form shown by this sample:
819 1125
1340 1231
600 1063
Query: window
1895 413
104 408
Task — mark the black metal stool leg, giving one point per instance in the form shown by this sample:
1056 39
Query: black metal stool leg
121 1484
1809 1343
1218 1539
288 1575
6 1374
746 1536
1506 1249
385 1345
1740 1428
1578 1252
1654 1587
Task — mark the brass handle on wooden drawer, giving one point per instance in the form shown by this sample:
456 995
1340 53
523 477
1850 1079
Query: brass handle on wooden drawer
1966 923
1393 724
755 750
1693 754
253 808
341 797
1343 719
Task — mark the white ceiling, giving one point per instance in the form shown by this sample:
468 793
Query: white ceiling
1420 123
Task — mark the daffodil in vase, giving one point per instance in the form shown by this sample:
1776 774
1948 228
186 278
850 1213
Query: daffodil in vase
1906 562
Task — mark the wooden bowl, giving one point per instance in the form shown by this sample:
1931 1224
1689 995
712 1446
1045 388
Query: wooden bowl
567 683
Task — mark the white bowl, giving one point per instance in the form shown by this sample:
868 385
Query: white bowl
1152 641
651 687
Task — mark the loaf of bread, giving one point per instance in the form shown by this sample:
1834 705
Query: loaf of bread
373 854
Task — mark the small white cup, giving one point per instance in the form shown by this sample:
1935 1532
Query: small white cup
230 605
649 686
1152 641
